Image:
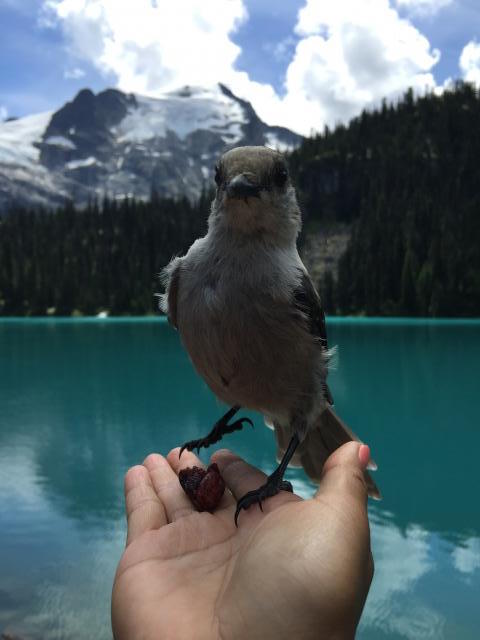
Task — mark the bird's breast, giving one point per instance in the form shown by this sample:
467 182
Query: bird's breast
244 341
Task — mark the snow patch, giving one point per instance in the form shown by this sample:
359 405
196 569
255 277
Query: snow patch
17 139
60 141
204 109
274 142
84 162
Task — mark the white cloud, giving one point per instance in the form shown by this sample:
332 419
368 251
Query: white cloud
3 113
281 50
73 74
470 62
354 53
151 47
423 7
350 54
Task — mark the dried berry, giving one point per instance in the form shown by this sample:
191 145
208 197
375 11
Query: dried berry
204 487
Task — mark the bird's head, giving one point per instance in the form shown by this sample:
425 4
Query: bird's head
254 194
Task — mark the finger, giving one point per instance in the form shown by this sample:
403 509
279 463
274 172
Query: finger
167 486
240 477
188 459
144 510
343 474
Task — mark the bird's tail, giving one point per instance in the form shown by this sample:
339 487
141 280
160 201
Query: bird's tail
328 434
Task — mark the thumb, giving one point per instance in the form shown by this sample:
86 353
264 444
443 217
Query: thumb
343 474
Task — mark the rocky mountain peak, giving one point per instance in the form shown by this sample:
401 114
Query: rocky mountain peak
117 144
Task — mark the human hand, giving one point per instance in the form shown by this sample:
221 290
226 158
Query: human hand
299 569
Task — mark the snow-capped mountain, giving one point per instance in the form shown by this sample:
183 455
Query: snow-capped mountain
125 144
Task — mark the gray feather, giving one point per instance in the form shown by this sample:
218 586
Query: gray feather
170 278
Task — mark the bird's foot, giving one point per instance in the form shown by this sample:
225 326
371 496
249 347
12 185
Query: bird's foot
219 430
272 486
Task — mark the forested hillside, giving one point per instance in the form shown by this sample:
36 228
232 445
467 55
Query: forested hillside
102 258
408 179
405 180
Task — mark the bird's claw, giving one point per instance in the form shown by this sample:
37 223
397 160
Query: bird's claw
272 486
286 486
215 435
238 424
193 444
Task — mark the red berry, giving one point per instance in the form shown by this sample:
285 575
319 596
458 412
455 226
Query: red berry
204 488
190 478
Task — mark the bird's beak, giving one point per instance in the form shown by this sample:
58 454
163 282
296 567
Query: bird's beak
242 187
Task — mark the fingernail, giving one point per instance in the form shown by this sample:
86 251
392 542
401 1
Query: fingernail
364 455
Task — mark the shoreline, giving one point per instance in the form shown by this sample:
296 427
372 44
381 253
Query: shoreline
332 320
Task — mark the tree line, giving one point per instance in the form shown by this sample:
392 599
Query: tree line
405 177
105 257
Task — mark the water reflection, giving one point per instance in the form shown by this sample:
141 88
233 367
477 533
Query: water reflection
83 402
411 391
402 559
466 556
425 586
419 590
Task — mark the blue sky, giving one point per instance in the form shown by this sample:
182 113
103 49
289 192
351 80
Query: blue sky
302 63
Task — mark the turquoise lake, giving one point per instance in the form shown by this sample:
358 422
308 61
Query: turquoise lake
81 401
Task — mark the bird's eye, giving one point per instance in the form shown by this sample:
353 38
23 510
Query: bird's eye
218 175
280 176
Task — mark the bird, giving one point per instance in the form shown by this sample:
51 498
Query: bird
252 321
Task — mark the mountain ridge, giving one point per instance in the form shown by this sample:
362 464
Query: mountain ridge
117 144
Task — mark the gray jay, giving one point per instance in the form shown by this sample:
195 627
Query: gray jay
252 321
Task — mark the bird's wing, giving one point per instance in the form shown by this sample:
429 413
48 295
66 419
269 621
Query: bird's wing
171 279
307 301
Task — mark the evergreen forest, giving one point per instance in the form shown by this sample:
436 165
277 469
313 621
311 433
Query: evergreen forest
101 258
404 179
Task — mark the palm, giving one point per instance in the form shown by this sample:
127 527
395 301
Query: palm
291 571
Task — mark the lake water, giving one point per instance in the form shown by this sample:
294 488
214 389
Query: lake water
81 401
